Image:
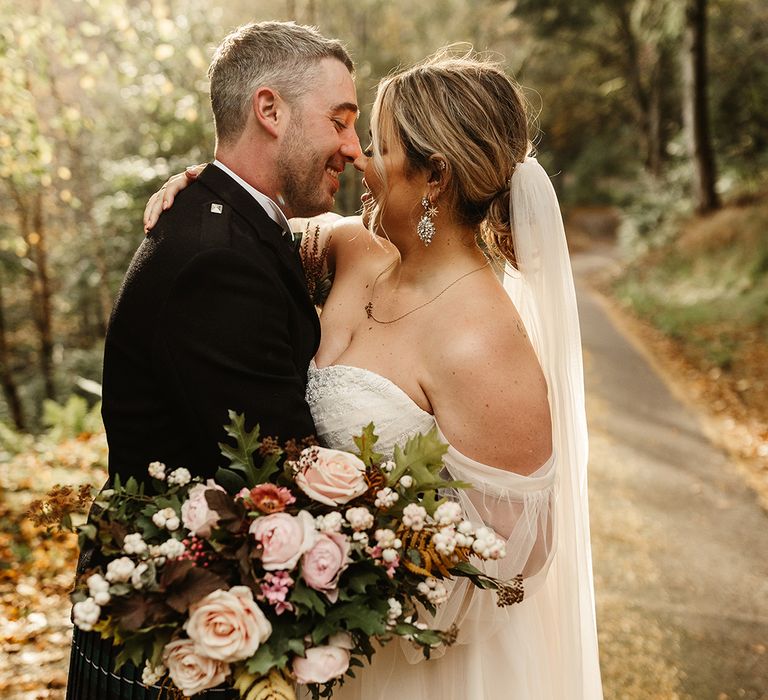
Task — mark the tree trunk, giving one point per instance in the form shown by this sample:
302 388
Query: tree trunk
646 98
43 285
90 230
695 115
655 116
10 390
32 226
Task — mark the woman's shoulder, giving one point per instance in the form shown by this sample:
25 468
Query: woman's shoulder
481 316
484 356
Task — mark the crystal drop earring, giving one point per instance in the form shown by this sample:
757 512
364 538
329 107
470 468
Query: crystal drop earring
426 228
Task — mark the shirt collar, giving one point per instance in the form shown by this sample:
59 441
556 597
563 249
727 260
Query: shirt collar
273 211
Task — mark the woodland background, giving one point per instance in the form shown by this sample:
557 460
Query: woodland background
640 106
651 116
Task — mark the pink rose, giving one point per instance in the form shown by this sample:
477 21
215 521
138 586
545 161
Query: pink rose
190 671
322 565
197 517
284 538
321 664
227 625
331 476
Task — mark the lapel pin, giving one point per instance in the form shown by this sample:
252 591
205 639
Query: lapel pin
217 208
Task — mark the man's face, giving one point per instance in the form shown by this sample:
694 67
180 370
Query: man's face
318 143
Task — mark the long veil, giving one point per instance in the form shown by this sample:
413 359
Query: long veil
543 291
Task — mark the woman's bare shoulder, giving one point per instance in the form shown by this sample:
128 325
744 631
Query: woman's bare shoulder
484 356
353 243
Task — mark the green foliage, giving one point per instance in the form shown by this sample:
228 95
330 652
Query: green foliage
422 459
12 442
74 417
365 443
104 100
706 286
241 457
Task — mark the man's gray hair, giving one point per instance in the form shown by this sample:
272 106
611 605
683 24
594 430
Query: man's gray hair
281 55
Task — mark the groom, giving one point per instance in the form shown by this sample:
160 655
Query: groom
214 313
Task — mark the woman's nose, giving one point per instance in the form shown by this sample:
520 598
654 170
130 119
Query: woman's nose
360 162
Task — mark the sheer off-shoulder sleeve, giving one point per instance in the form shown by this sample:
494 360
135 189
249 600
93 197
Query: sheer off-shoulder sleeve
521 509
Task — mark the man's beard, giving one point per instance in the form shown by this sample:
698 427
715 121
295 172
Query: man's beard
301 174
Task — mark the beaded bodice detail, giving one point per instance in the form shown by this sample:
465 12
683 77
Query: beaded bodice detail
344 399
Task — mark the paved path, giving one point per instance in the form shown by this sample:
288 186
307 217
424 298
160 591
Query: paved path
680 544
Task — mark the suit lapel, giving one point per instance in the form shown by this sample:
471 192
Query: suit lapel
265 229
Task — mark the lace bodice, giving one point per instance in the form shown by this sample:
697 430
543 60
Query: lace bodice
344 399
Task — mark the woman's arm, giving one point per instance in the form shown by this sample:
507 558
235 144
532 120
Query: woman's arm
163 198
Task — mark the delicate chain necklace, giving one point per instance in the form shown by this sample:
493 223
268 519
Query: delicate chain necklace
369 305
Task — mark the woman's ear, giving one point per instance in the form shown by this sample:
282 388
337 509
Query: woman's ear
269 110
437 176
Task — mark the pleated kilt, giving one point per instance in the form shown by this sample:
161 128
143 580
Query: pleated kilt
92 675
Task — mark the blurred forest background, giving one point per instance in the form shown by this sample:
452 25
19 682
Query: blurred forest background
649 116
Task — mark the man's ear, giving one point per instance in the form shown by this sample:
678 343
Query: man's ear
269 110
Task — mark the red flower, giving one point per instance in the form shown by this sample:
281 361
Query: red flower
269 498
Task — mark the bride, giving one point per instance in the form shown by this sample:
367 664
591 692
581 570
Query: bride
418 332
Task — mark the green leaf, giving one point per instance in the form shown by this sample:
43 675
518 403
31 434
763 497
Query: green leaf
265 659
86 532
421 458
358 615
229 480
365 443
247 443
307 599
414 556
359 581
466 569
474 574
269 467
135 650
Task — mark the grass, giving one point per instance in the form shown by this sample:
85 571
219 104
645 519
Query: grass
707 290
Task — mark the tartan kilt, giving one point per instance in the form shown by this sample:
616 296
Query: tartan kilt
92 675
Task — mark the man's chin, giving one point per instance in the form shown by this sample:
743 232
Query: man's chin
316 209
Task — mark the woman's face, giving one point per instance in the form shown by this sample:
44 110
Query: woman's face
399 195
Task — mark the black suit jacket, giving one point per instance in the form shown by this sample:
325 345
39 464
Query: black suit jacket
213 315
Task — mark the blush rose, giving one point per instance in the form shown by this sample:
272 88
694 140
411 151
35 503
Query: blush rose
321 664
196 515
228 625
284 538
322 565
191 671
332 477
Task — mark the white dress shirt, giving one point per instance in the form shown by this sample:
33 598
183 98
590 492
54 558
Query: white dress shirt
273 211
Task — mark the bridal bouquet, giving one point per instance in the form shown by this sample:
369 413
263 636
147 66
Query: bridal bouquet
285 568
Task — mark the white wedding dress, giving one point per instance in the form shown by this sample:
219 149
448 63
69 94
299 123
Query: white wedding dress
499 651
545 647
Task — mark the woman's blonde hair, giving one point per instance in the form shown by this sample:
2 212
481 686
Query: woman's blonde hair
469 111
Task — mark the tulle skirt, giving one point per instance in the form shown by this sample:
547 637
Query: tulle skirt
92 675
518 662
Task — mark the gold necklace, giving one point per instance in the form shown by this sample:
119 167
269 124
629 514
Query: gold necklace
369 305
